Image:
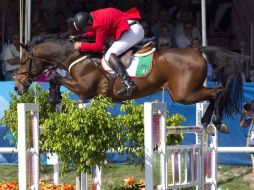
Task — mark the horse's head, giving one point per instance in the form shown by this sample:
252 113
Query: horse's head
48 53
29 69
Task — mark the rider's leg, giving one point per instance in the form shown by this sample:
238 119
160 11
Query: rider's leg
128 39
127 85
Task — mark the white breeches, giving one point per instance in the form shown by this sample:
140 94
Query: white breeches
128 39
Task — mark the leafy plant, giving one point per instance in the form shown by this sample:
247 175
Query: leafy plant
35 95
133 120
81 137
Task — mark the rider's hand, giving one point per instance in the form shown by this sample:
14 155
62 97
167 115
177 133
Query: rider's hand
77 45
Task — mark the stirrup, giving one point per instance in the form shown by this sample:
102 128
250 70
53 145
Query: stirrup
127 88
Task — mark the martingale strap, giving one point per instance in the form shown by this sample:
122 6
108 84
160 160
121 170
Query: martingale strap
75 62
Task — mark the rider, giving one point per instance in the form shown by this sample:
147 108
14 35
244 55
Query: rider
110 22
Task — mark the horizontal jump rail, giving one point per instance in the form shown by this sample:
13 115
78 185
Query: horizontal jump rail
184 129
235 149
8 150
182 185
183 148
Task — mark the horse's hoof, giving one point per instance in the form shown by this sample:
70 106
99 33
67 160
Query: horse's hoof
209 129
222 128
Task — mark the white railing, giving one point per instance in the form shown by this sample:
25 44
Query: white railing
155 142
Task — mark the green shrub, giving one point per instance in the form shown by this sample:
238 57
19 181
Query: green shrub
81 137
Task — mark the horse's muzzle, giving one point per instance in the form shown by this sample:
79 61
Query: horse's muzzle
20 89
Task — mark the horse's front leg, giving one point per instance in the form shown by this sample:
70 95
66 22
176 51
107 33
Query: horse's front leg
71 84
54 97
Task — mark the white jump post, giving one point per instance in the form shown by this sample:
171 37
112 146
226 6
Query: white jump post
33 152
150 144
192 154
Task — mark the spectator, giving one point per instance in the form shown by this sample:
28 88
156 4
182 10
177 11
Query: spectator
164 41
195 43
2 68
162 22
183 5
110 3
39 15
124 5
184 40
49 6
152 11
61 24
39 30
148 34
247 120
223 16
12 14
64 7
184 17
11 56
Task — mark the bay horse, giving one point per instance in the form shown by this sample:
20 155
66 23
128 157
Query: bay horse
181 71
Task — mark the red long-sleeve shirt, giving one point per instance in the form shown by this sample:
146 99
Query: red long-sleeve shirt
109 22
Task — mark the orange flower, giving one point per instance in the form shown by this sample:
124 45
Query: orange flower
43 186
9 186
131 181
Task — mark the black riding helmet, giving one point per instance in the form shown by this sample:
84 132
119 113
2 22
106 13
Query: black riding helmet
81 20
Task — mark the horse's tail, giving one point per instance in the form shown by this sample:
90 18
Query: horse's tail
228 72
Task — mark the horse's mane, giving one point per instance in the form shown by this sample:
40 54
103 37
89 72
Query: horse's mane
55 38
65 42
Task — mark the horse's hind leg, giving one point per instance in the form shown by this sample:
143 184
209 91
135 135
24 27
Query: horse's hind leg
216 119
206 119
212 94
204 93
216 107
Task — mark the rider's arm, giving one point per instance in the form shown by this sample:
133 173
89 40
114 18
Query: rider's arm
97 46
91 33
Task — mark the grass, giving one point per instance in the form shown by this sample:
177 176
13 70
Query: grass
112 174
229 177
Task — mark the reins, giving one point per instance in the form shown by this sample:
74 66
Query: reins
60 64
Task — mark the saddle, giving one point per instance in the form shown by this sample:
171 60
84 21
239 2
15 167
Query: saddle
138 51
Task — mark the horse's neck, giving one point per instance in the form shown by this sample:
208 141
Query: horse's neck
70 59
60 57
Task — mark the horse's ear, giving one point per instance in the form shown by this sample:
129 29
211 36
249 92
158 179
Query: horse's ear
26 47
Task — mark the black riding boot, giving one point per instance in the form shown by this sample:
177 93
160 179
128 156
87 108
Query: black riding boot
127 85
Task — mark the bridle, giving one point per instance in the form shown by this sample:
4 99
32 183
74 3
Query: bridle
30 76
28 71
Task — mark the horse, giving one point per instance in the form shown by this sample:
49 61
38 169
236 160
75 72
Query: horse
181 71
